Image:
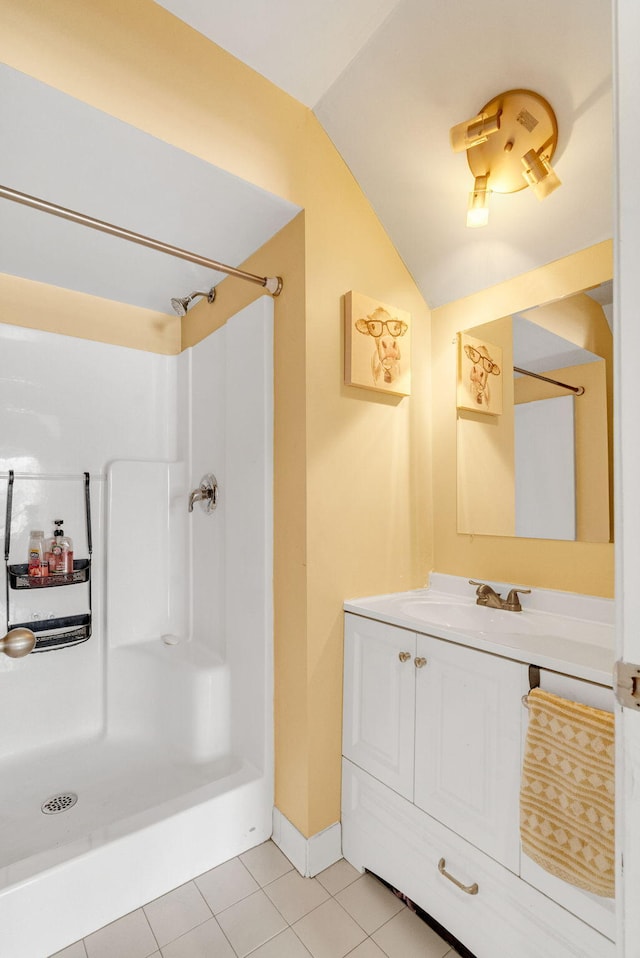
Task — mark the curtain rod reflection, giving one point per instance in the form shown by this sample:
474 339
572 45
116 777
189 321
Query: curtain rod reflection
578 390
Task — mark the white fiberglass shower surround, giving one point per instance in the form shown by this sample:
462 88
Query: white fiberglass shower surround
161 722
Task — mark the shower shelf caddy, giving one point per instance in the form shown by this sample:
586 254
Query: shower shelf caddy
53 633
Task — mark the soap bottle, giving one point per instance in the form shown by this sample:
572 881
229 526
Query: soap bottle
61 550
37 563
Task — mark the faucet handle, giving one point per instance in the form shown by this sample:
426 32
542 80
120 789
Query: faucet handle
206 493
512 602
483 588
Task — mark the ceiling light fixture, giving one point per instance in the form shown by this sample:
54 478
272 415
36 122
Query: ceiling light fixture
509 146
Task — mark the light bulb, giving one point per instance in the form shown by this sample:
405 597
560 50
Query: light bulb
478 208
473 132
539 174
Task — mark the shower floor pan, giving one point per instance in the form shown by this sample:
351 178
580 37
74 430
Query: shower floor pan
163 795
143 823
116 783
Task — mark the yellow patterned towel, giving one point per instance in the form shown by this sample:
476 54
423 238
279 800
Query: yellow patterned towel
567 792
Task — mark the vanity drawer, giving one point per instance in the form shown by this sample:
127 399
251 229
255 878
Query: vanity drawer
388 835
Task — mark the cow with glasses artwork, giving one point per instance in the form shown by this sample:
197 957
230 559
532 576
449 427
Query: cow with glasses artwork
377 341
479 375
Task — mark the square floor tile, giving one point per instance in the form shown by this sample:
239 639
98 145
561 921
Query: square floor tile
295 896
407 936
225 885
266 862
368 949
369 902
286 945
176 913
76 950
128 937
328 931
251 922
205 941
338 876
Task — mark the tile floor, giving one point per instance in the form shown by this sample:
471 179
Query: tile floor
258 905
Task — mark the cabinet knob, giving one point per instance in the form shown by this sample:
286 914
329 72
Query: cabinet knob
404 656
419 662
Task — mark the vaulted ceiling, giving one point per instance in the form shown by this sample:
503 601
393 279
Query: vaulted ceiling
388 78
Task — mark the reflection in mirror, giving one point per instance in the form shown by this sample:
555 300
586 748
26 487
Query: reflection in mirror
542 467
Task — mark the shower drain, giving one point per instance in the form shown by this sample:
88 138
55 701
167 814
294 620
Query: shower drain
59 803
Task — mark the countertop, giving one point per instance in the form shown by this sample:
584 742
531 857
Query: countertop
580 643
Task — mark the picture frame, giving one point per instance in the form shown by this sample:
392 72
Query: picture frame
377 345
479 383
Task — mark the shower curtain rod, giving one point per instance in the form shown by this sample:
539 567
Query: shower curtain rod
273 284
578 390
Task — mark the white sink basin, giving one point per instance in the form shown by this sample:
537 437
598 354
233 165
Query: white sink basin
477 618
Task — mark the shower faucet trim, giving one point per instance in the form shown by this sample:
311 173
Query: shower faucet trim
206 494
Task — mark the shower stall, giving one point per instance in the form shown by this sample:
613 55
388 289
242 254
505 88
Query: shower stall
142 756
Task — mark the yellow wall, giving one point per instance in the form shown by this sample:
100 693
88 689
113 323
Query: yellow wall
40 306
352 491
573 566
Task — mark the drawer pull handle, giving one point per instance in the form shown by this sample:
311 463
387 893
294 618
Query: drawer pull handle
404 656
469 889
420 662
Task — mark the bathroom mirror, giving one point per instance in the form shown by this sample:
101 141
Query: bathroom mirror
534 458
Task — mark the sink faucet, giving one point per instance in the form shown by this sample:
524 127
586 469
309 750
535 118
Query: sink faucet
493 600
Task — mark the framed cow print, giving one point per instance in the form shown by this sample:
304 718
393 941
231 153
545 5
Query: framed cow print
479 375
377 345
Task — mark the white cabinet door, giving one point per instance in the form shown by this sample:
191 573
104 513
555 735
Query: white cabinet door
379 700
468 752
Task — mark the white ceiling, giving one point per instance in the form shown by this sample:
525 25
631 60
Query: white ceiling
68 153
300 45
538 349
388 79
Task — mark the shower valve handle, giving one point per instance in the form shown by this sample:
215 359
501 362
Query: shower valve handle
206 493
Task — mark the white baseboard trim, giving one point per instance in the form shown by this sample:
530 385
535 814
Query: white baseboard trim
309 856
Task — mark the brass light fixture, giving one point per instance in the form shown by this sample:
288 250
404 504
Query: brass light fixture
509 145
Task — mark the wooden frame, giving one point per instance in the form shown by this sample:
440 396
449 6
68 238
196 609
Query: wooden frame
479 375
377 345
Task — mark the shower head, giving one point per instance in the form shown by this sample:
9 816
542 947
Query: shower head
181 306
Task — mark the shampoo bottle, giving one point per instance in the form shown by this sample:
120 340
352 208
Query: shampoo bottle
36 553
61 550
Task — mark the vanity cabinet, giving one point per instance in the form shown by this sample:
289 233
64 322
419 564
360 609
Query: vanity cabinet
439 724
432 752
379 701
467 753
